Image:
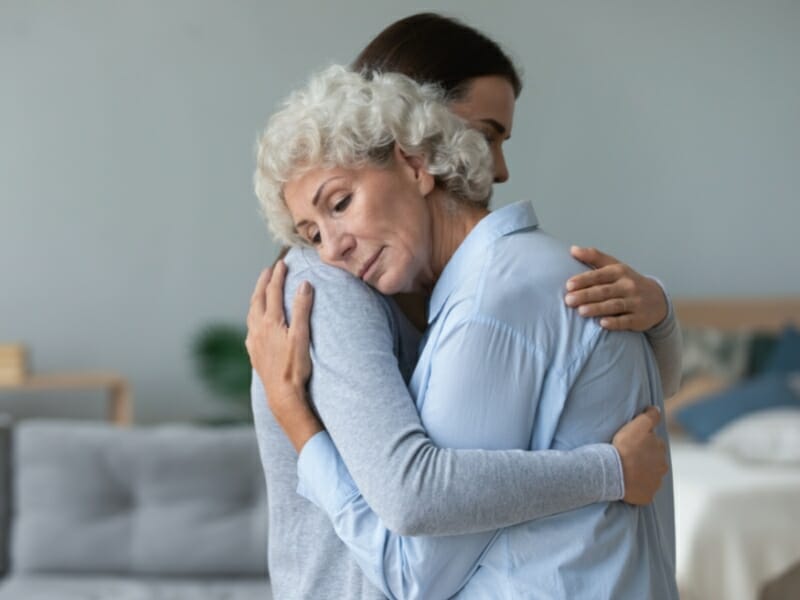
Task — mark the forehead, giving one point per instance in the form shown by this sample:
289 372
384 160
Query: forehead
488 97
306 184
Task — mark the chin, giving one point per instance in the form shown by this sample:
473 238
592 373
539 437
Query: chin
388 285
389 290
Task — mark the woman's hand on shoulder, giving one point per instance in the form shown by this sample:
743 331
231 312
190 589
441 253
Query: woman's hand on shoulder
280 353
614 292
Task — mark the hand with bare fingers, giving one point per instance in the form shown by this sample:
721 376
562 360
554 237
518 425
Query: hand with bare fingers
644 457
621 297
280 355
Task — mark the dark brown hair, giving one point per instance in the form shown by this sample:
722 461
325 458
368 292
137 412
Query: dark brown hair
431 48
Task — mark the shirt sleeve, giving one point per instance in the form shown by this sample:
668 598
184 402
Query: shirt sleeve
401 567
666 342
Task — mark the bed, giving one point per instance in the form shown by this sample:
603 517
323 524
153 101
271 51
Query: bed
737 522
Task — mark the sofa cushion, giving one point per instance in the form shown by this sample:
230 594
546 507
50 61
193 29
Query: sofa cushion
79 587
167 500
5 490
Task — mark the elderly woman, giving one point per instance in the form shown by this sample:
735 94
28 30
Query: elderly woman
387 184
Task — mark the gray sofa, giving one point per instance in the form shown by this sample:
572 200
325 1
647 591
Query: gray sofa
172 512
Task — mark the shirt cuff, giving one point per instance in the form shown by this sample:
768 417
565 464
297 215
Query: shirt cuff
664 327
322 477
611 467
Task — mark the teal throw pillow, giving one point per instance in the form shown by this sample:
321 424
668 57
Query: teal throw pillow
786 355
760 351
769 390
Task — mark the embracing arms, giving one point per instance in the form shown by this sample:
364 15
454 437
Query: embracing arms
361 397
413 486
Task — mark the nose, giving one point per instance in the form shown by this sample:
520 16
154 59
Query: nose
336 247
500 169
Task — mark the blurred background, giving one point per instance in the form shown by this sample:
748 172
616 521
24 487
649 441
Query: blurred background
667 134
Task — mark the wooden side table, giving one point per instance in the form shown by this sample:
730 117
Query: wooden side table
120 403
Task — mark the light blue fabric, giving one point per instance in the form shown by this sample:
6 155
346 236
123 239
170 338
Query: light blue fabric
505 364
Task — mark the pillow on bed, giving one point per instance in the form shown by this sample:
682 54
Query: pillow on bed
770 390
786 355
766 436
697 389
760 351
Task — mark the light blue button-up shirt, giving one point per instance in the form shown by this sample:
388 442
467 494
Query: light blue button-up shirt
505 364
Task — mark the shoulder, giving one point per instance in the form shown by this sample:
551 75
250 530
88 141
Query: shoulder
303 264
526 272
537 257
522 288
342 303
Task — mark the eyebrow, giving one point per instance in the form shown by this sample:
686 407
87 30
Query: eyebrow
495 125
315 199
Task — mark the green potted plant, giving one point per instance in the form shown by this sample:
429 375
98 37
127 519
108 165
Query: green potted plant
221 362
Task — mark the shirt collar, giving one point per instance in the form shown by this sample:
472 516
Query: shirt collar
465 259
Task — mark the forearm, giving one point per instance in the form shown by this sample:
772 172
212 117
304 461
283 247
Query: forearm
429 490
666 342
402 567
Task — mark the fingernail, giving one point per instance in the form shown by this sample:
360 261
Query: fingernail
583 310
570 285
305 288
570 298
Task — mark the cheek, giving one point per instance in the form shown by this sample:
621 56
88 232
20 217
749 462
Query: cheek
417 246
413 231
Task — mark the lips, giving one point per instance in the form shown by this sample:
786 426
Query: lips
368 265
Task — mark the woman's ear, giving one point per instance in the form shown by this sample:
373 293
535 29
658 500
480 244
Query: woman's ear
415 167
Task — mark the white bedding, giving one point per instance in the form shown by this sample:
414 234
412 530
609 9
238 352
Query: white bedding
737 524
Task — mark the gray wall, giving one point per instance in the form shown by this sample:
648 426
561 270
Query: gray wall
667 133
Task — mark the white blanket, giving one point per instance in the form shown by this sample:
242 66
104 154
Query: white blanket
737 524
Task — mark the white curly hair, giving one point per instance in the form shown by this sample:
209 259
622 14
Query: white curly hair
342 118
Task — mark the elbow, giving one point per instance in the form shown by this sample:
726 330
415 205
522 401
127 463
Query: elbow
671 385
405 514
405 520
414 501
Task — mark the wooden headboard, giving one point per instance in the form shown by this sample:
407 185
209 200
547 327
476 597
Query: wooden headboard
762 314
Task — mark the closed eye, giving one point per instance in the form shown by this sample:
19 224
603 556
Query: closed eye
342 204
312 236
